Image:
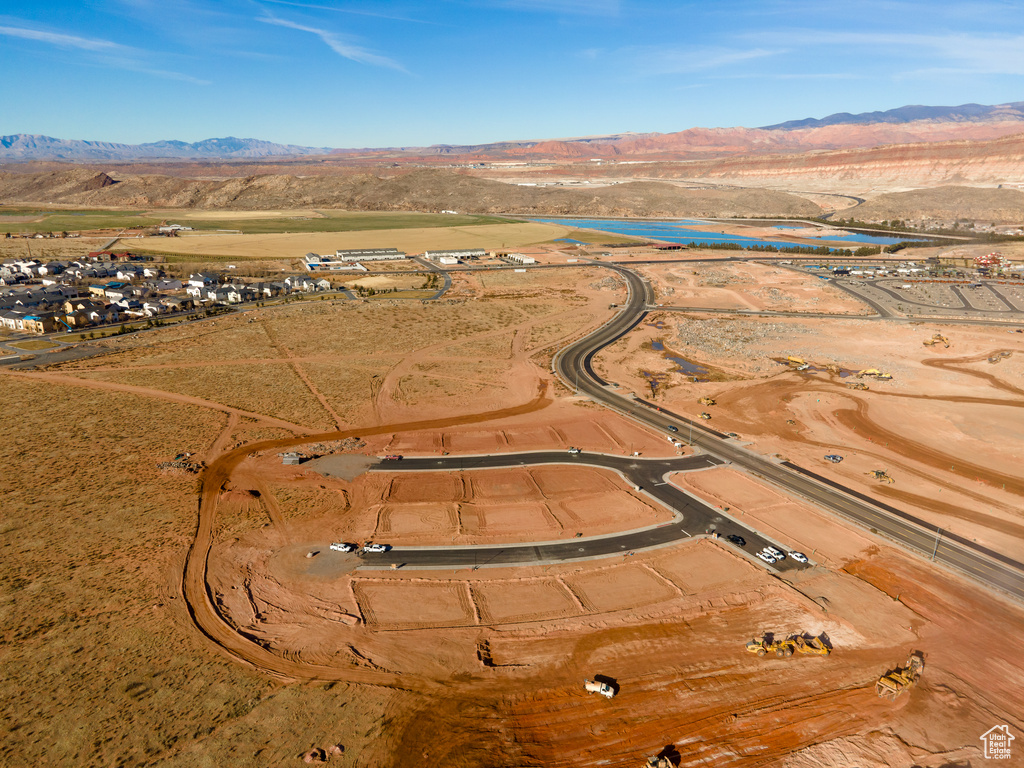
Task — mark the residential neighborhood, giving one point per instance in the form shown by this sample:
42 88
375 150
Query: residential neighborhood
41 297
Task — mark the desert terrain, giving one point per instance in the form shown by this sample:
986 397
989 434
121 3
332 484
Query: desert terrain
166 573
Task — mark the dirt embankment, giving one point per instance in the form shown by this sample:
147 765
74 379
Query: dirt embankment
952 202
422 190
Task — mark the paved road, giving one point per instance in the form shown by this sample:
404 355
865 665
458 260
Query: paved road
574 365
690 516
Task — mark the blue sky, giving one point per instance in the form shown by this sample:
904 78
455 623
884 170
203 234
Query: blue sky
363 74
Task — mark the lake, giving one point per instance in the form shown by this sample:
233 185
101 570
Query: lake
681 231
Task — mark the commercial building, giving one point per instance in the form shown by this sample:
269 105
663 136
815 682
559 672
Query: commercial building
460 255
347 260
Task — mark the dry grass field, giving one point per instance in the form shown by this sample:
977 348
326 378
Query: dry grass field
94 533
296 245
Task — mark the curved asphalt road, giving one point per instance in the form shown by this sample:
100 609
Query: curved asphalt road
574 365
691 516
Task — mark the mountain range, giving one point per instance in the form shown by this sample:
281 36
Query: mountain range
842 130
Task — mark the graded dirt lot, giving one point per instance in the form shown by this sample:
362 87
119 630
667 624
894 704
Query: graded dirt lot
945 426
169 597
747 285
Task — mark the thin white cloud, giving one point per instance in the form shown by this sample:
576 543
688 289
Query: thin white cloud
337 44
351 11
64 41
107 53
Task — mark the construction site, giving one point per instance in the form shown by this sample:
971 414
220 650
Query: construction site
288 621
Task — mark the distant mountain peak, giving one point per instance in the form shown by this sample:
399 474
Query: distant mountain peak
23 146
911 113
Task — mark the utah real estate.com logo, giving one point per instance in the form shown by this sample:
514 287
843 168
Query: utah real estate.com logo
997 742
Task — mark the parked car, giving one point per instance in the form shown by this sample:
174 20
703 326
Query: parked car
371 547
778 555
766 557
340 546
739 541
800 557
833 458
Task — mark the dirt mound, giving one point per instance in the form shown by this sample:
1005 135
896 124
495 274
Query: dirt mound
999 205
421 190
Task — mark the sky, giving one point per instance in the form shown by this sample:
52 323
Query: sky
323 73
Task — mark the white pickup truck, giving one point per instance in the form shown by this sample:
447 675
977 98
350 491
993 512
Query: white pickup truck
595 686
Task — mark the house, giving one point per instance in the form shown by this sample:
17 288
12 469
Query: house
177 303
300 283
109 314
203 279
168 285
75 305
13 319
153 307
52 268
40 322
78 318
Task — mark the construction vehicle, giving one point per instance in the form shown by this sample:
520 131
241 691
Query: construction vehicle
874 372
788 646
881 474
892 684
833 368
707 401
796 360
857 385
596 686
938 338
657 762
705 415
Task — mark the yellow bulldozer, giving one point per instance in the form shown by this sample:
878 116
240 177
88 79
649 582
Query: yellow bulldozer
788 646
705 415
938 338
707 401
881 474
893 683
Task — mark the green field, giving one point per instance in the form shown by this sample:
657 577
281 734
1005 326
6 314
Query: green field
341 221
49 220
71 221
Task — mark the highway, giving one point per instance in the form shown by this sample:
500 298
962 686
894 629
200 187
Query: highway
690 515
573 365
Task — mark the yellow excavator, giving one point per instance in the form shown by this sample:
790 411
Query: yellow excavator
787 646
892 684
881 474
938 338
